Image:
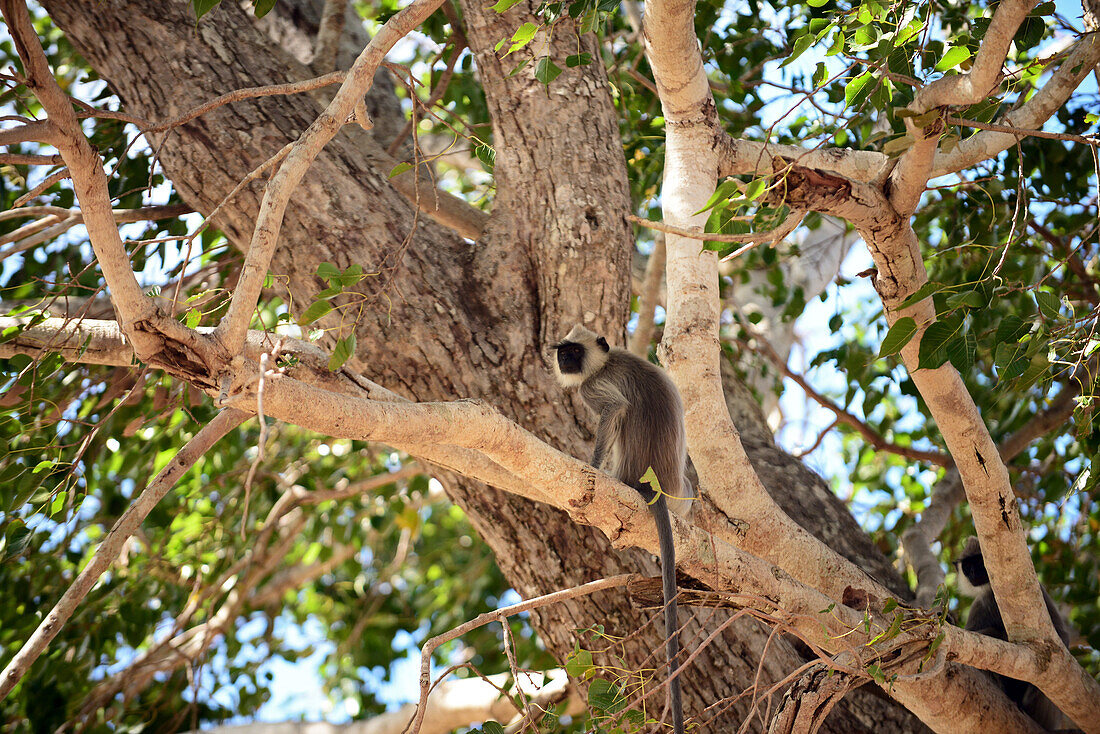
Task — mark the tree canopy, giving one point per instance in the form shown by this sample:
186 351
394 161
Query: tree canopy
273 352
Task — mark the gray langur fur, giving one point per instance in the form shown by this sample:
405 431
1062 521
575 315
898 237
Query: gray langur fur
984 618
641 426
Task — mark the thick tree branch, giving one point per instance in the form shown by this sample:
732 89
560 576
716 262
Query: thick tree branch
948 492
985 73
1031 114
901 272
31 132
736 157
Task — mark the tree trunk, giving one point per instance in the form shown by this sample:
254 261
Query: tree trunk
446 319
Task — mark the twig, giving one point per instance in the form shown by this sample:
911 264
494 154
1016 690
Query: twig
500 615
1025 132
438 91
21 159
843 416
108 551
45 184
260 442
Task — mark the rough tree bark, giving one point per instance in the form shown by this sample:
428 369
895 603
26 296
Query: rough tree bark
447 319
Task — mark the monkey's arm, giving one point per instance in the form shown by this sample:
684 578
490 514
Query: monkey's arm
608 429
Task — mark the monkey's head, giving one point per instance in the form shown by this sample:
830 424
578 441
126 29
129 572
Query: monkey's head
580 355
971 568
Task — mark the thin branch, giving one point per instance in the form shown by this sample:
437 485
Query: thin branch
21 159
234 326
755 238
500 615
112 545
1021 132
46 183
51 226
869 435
237 95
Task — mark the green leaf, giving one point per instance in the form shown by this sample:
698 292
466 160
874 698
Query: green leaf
933 352
921 293
192 318
328 271
58 502
838 44
1048 304
492 727
897 146
42 466
962 351
898 336
583 59
522 36
399 169
855 86
486 155
341 352
316 310
262 7
578 664
202 7
605 696
546 70
816 3
724 191
800 45
966 299
1011 329
755 188
954 56
503 5
590 21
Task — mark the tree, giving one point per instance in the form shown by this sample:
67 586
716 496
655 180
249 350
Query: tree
421 300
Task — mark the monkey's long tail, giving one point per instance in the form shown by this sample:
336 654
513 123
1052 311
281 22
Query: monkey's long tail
672 625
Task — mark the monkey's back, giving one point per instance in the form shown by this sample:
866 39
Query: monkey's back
650 427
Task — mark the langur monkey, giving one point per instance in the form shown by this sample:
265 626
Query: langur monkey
641 426
985 619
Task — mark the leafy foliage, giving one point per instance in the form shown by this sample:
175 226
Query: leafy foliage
1014 267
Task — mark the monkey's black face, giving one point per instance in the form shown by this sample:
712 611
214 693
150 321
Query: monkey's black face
570 358
973 567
